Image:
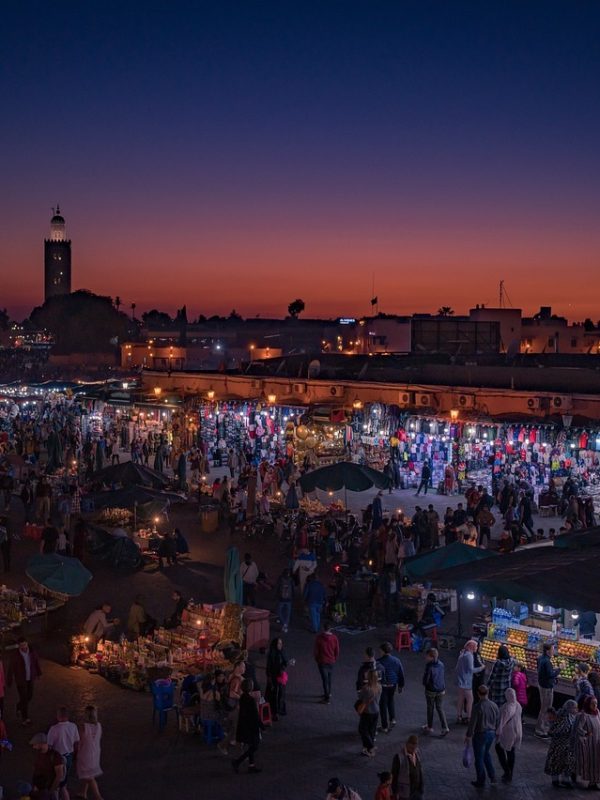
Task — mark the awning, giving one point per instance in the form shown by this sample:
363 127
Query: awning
443 558
545 575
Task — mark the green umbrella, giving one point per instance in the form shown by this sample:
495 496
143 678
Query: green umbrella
452 555
58 574
344 475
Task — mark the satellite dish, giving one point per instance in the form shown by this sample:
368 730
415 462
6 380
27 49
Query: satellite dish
314 368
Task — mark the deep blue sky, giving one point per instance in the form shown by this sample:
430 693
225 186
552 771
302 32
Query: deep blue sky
240 154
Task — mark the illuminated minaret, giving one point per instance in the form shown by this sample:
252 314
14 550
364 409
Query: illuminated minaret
57 258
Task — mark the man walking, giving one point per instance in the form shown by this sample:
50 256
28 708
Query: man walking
547 675
63 737
23 669
315 597
285 596
434 682
482 732
392 680
326 652
425 478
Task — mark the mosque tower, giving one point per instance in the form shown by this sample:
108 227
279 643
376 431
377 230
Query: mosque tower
57 258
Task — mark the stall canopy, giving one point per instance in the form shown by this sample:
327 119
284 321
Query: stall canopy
130 474
546 575
453 555
344 475
58 574
579 540
131 496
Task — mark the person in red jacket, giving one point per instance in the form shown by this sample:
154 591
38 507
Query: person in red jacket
327 651
23 669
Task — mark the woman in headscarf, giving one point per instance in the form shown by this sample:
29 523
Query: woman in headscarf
509 734
586 733
560 761
501 676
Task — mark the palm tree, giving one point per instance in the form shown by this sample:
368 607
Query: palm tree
133 311
118 302
445 311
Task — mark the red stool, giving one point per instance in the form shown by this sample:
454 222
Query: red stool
264 710
403 640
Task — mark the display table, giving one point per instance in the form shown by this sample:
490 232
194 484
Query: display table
200 644
24 613
525 644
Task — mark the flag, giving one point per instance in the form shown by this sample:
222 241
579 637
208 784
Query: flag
374 301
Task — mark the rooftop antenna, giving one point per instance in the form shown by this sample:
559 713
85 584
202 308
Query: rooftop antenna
374 298
504 298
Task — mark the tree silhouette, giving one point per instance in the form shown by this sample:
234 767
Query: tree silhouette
118 302
296 307
156 319
83 322
133 311
445 311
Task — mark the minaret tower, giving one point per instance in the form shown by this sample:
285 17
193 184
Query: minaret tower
57 258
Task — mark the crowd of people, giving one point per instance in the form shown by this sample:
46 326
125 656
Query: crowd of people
492 710
375 547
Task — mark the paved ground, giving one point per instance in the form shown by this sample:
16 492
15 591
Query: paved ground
298 755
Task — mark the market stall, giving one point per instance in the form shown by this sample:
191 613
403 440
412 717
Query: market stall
525 641
207 637
23 608
476 449
263 430
536 595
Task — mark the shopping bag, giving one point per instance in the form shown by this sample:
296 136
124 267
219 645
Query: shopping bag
467 756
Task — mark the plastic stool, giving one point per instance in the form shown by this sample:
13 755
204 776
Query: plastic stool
264 710
403 639
430 635
211 731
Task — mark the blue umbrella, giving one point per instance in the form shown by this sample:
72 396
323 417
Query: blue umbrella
58 574
232 579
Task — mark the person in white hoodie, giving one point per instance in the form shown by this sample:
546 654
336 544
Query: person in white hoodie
509 734
465 669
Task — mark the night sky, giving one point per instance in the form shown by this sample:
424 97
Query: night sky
243 154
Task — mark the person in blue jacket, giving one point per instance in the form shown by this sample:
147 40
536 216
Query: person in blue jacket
434 682
315 597
392 681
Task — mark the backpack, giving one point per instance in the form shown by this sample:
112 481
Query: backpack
286 589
